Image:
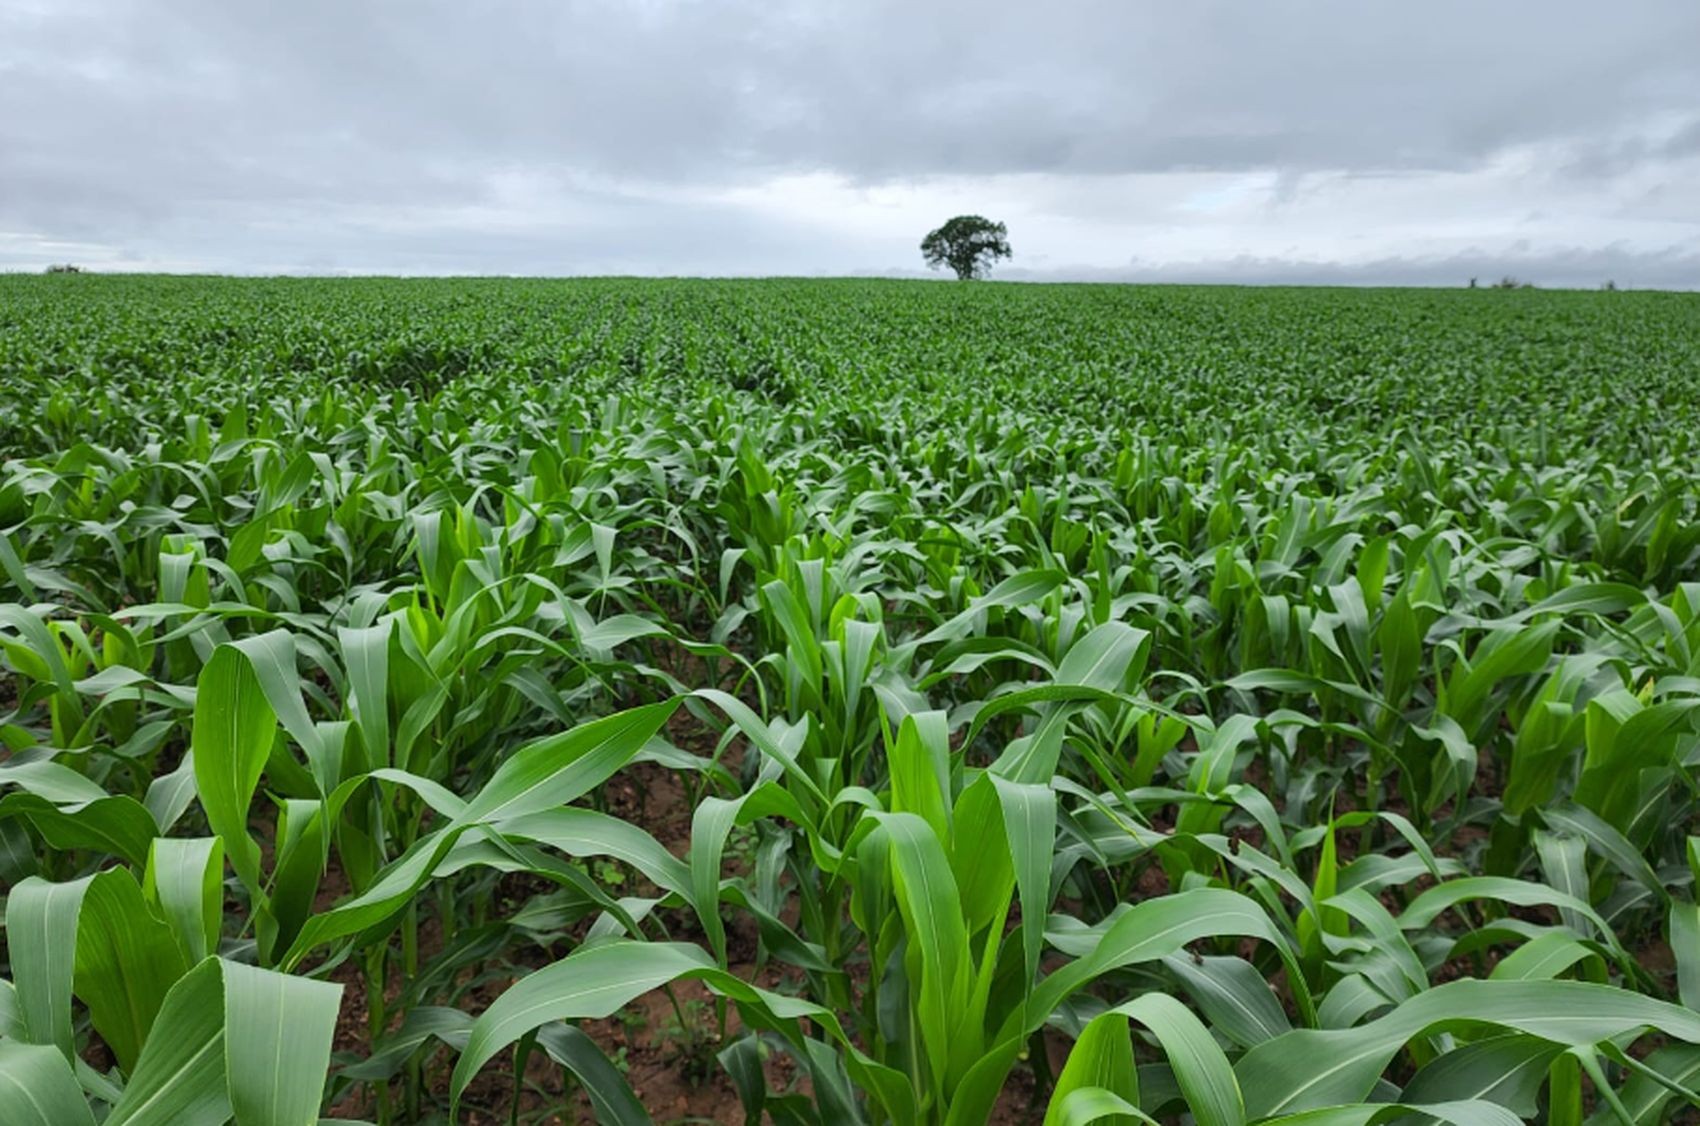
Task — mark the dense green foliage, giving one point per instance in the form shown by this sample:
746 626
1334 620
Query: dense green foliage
1254 705
969 244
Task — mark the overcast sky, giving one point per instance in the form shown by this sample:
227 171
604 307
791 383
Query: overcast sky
1305 140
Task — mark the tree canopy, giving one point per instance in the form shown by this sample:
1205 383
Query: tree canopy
968 244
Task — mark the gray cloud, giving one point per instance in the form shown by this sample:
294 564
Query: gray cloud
672 135
1605 157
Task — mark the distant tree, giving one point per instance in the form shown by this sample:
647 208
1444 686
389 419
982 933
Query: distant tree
968 244
1610 286
1472 283
64 268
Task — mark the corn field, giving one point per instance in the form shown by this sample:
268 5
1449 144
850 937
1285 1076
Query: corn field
820 702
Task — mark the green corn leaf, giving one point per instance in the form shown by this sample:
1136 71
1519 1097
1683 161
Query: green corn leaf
1508 1070
592 983
272 657
710 823
1502 654
41 940
302 850
1083 1106
1607 842
118 825
234 1041
539 777
184 879
919 762
277 1044
611 1097
233 734
585 832
1101 1059
561 768
1684 935
1029 815
1427 906
981 860
1460 1112
1649 1089
1564 1091
1306 1069
1232 994
366 654
1542 957
1153 930
1206 1080
931 907
1562 864
38 1088
127 960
